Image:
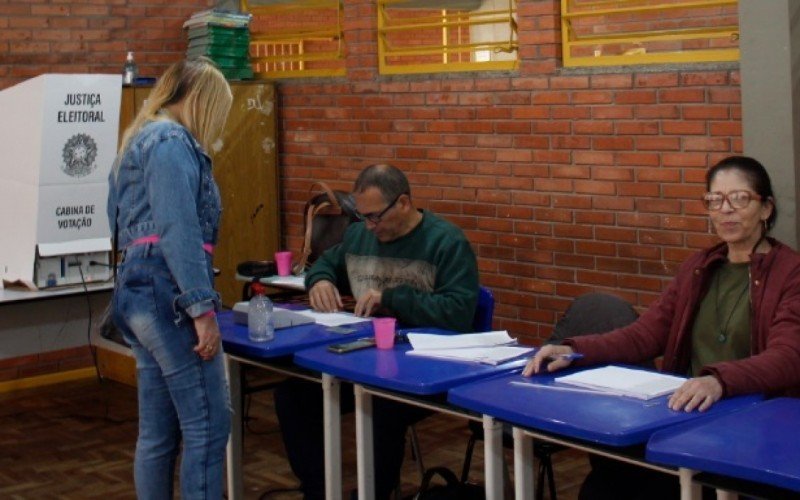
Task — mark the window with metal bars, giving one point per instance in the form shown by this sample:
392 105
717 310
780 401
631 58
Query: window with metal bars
622 32
296 38
425 36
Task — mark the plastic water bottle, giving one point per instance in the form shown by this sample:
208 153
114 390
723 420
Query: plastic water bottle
260 324
130 71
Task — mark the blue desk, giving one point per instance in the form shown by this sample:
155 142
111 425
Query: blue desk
391 374
239 349
575 419
756 444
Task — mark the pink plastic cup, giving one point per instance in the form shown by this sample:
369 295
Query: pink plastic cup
283 260
384 332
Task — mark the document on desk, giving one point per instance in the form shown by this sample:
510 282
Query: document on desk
640 384
297 282
433 341
490 348
332 319
493 355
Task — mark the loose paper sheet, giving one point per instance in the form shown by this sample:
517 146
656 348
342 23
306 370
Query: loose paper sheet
494 355
425 341
333 319
641 384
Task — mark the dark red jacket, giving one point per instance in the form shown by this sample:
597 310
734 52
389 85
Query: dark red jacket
666 327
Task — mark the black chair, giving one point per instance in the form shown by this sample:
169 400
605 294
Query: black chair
590 313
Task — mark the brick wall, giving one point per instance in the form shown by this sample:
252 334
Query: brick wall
565 181
90 36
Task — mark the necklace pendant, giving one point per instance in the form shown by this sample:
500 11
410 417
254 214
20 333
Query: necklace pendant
722 338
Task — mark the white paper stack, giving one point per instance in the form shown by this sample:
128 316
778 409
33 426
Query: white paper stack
640 384
490 348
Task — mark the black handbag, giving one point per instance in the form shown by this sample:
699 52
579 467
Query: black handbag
326 218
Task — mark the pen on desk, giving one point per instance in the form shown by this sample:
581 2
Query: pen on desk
571 356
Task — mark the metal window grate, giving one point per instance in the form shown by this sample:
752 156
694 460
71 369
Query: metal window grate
616 32
446 35
296 38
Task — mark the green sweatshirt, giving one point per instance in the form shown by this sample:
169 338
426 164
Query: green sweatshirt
429 277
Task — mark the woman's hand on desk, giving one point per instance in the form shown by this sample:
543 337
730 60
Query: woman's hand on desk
549 357
696 393
324 297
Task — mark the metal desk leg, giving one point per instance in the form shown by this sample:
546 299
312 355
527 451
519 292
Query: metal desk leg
726 495
364 444
524 486
234 450
689 489
333 437
493 451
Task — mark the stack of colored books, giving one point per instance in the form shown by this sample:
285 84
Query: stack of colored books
223 37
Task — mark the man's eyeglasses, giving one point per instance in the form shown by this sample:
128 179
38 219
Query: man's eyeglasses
376 218
736 199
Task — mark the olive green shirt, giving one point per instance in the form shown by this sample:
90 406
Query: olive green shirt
721 329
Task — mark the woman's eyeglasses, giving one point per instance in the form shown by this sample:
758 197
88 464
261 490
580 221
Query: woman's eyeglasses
376 218
736 199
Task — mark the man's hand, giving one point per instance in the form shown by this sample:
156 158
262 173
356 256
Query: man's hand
324 297
208 337
549 357
368 303
696 393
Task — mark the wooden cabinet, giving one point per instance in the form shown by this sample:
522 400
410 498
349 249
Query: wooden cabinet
246 170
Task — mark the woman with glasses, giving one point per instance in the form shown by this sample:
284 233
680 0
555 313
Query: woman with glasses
729 320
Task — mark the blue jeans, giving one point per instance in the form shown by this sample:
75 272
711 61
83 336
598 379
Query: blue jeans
181 397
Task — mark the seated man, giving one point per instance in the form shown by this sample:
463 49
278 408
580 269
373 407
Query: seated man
398 261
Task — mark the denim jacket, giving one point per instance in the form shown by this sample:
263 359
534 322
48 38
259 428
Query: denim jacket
164 187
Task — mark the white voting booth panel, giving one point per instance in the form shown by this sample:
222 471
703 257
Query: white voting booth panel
59 138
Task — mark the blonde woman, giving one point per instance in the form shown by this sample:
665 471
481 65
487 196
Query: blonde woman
164 210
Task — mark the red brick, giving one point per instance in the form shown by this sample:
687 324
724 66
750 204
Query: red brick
593 127
598 278
595 218
638 159
706 144
615 234
573 231
659 111
533 227
683 128
553 215
636 97
595 248
682 95
612 173
717 112
656 80
617 265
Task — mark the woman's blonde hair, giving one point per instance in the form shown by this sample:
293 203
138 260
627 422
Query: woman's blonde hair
206 98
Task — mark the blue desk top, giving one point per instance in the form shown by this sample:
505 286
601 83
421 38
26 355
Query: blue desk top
286 341
391 369
760 444
603 419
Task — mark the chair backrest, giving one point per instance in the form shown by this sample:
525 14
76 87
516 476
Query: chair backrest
595 312
484 311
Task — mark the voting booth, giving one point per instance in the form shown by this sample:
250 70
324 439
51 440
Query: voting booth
58 138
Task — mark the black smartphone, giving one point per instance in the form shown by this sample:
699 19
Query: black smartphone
352 346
